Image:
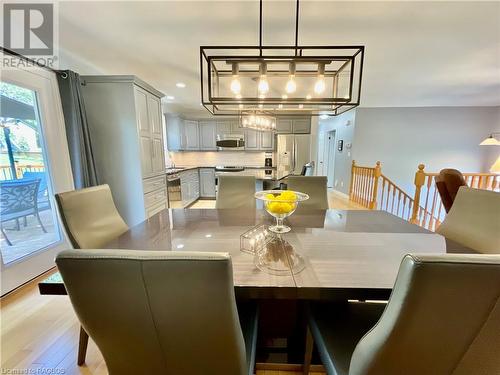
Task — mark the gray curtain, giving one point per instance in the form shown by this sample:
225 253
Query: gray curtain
77 130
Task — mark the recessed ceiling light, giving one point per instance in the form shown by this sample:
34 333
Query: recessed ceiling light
180 85
323 117
170 97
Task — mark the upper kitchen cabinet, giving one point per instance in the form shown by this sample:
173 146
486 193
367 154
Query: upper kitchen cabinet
208 135
252 140
266 141
190 140
293 125
124 117
173 127
284 126
301 125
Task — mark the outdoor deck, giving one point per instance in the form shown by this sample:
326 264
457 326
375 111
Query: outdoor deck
28 239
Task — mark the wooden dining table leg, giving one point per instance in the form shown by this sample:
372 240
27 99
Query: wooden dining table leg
82 346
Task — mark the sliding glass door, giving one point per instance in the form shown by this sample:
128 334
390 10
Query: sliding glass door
34 163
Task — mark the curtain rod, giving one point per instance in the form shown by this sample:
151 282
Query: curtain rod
34 62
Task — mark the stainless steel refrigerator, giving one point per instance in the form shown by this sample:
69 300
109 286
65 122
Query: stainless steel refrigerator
293 152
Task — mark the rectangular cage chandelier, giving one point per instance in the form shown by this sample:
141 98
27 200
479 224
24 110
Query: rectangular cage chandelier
280 80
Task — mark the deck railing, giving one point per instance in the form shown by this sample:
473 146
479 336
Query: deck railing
371 189
6 172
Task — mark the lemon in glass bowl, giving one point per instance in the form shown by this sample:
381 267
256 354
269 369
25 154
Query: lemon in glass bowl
280 204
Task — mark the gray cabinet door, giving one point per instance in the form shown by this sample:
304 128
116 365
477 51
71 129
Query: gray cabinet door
185 192
195 186
223 127
208 135
266 141
207 183
173 125
302 126
251 139
191 135
154 115
284 126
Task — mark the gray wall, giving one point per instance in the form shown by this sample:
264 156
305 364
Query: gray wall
439 137
344 126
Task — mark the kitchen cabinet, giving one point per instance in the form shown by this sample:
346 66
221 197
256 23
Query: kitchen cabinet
190 135
293 125
283 126
124 117
208 136
173 128
252 140
301 126
266 141
190 186
207 183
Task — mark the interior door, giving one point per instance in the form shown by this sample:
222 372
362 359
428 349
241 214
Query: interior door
32 233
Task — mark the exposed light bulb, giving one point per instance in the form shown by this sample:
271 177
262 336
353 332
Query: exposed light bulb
280 106
284 96
301 106
291 86
235 83
263 85
320 86
308 97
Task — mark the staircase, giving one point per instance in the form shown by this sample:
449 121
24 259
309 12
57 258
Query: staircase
372 189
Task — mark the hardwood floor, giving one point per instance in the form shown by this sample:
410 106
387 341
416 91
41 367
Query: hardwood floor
41 332
336 200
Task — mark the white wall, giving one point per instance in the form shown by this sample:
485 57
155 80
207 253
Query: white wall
439 137
344 130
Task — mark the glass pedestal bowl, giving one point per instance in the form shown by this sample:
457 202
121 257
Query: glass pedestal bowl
280 204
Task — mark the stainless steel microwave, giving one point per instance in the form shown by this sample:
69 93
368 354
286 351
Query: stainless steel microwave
231 142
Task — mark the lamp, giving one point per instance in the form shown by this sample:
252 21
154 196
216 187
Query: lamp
495 168
258 122
281 80
490 141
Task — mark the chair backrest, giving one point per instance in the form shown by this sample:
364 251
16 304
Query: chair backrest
152 312
90 216
447 184
443 317
42 176
18 197
314 186
235 192
474 220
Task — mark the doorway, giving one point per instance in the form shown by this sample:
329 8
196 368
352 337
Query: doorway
34 163
329 157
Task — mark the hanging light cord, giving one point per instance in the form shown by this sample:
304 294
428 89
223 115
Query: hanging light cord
296 27
297 9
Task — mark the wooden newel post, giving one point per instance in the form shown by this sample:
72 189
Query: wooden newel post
352 178
419 182
376 175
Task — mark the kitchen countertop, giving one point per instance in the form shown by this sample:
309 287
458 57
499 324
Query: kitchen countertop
259 172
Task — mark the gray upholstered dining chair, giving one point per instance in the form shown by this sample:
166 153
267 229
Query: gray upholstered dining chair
90 216
152 312
235 192
442 318
474 220
314 186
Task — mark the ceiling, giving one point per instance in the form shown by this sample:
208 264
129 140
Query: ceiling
417 53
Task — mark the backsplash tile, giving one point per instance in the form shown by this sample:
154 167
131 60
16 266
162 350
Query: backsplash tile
212 158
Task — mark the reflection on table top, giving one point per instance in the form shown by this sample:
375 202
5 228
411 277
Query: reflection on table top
343 250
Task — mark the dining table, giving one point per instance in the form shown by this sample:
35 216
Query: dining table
328 254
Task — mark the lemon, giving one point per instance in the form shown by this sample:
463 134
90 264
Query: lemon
289 195
270 196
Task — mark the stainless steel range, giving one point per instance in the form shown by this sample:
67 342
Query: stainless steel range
223 168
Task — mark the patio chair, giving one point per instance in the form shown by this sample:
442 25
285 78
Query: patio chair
18 199
43 191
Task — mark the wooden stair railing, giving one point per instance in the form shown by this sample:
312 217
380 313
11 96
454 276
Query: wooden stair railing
371 189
